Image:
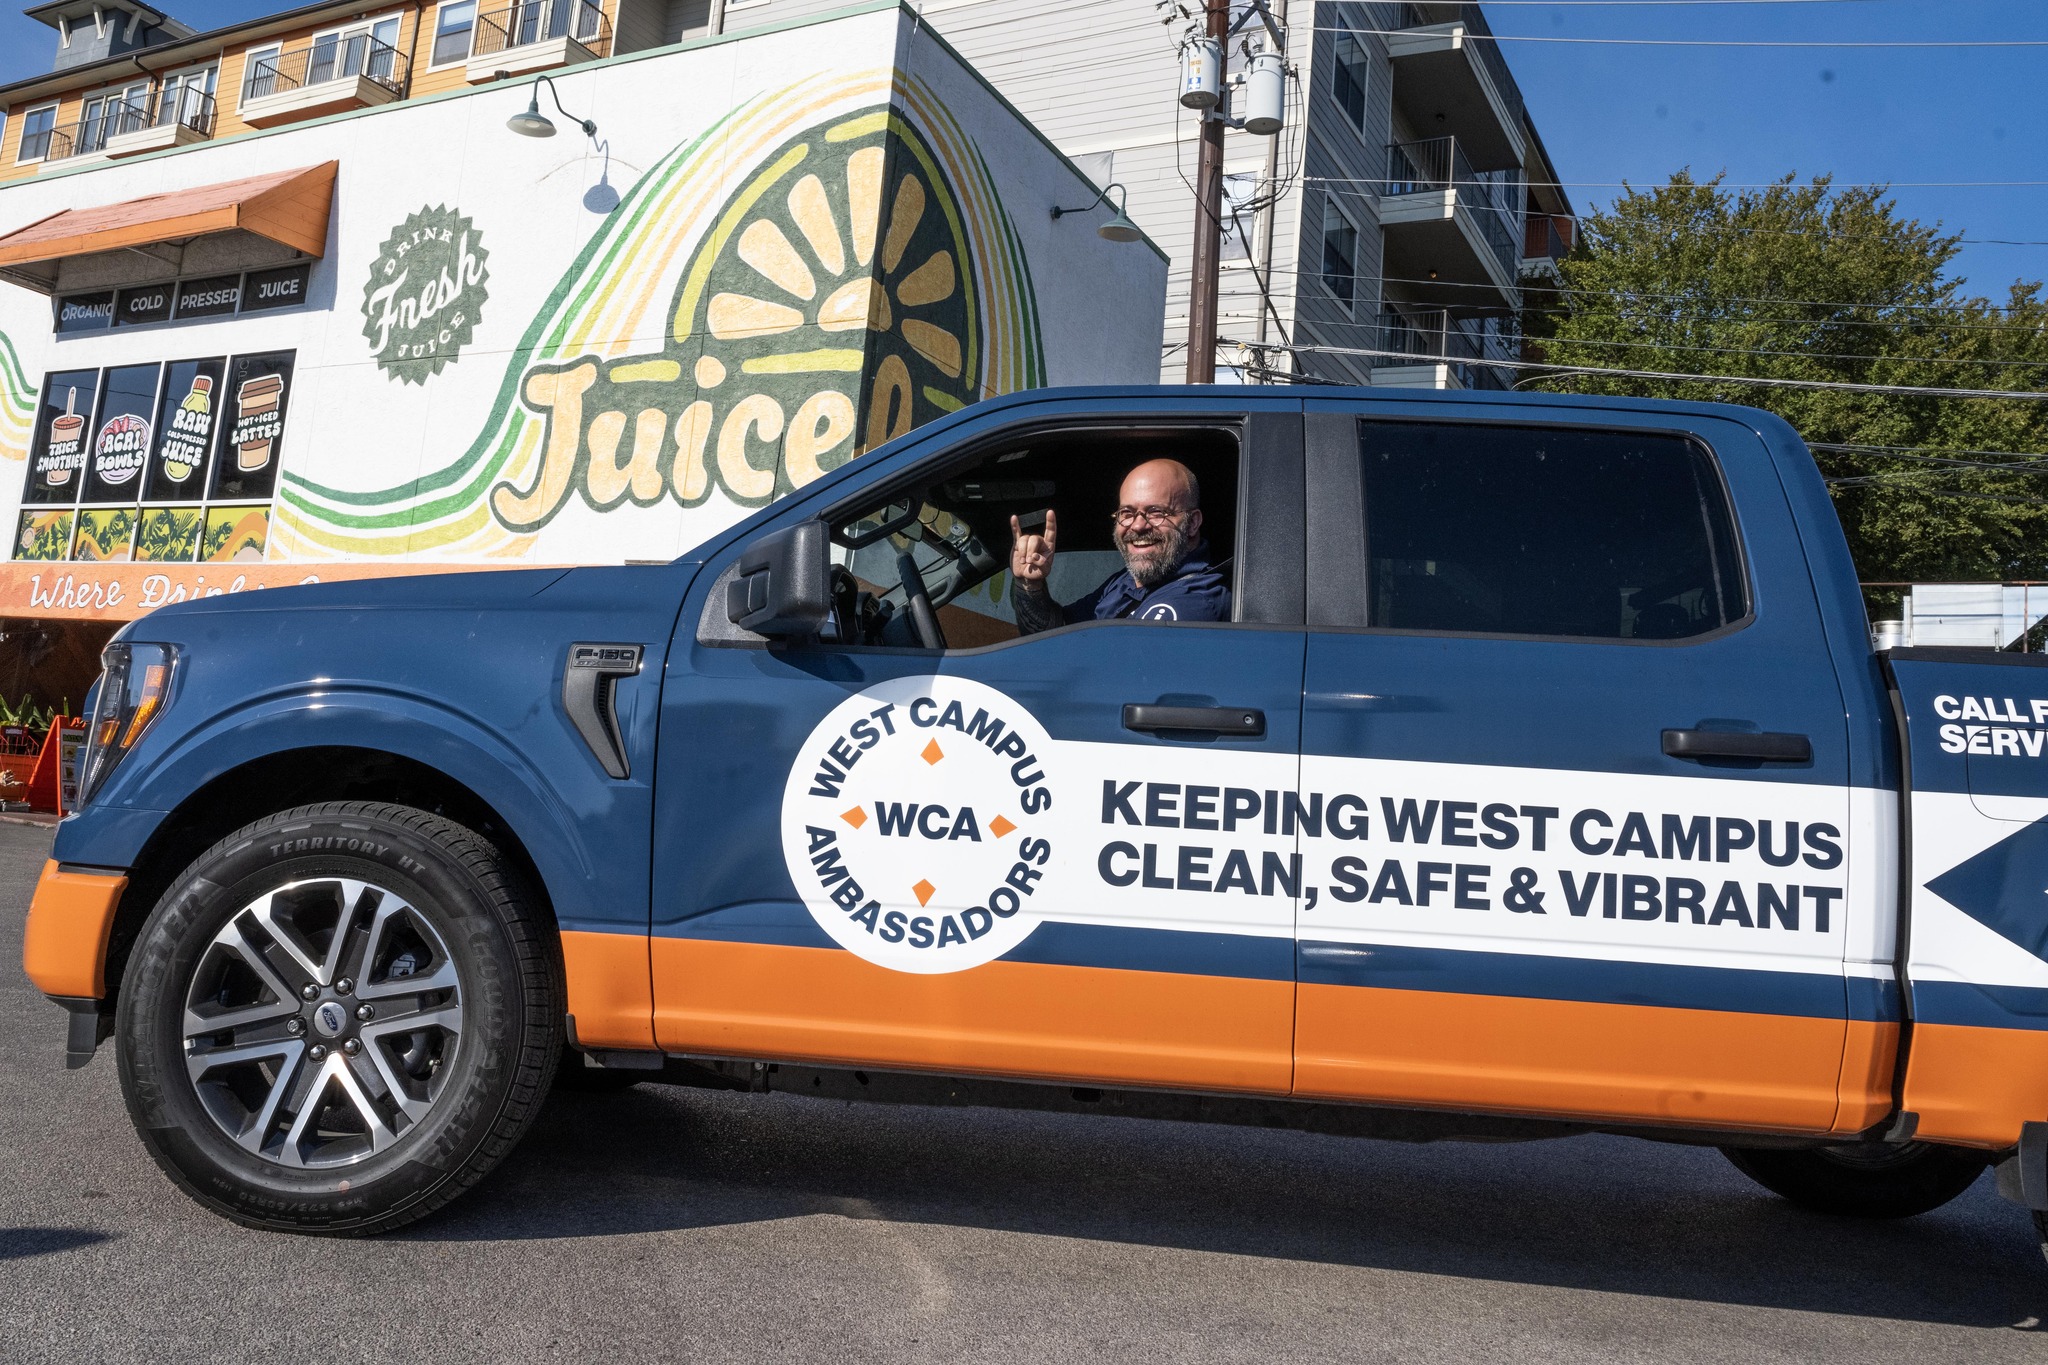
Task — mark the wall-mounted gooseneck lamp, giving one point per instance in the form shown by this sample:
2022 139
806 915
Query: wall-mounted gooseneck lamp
533 123
1119 228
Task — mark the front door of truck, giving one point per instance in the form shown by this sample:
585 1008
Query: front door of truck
1001 857
1582 771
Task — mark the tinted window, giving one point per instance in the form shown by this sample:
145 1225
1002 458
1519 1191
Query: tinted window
1497 530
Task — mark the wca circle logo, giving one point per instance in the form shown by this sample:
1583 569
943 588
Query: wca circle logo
917 823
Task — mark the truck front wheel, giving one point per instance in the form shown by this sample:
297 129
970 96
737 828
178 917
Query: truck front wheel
1863 1179
339 1018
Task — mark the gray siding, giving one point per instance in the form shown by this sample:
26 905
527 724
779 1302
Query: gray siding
686 19
638 25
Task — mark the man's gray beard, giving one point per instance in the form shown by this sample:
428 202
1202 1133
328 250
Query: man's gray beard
1165 566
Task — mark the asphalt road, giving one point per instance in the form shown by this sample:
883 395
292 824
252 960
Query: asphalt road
677 1224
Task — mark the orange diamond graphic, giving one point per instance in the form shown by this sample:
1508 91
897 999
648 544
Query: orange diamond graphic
1000 826
933 753
924 891
855 817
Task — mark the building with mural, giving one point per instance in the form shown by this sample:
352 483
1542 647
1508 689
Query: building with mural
336 332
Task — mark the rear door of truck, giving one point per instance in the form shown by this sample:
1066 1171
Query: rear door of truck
1976 929
1581 758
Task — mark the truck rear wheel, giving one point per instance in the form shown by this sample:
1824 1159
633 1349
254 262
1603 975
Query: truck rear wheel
339 1018
1863 1179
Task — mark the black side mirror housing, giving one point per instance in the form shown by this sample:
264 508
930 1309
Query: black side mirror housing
784 585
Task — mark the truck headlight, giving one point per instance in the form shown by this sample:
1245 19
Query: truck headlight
132 691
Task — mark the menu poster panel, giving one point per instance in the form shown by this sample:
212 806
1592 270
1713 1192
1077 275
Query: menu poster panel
56 461
169 534
106 533
186 416
252 425
43 535
120 444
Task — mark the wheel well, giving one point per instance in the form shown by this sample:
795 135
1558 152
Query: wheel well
280 781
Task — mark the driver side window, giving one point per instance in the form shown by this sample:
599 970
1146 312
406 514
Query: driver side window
929 567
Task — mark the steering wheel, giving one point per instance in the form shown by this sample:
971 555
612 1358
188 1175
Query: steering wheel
918 603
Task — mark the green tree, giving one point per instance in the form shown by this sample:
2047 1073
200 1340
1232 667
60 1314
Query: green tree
1810 282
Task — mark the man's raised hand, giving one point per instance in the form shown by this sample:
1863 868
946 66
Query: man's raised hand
1031 552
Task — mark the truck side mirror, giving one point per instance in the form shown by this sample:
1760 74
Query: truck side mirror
784 585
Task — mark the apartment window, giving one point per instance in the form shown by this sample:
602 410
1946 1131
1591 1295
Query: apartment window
259 69
1347 86
363 49
187 97
1340 254
451 32
36 127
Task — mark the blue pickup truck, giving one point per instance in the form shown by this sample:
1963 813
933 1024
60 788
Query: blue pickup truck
1540 779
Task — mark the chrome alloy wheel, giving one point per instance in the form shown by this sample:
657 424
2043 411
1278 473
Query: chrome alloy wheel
322 1022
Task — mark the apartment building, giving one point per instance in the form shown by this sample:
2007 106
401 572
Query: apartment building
1404 209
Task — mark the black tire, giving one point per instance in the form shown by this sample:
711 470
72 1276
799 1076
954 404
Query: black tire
404 1112
1863 1180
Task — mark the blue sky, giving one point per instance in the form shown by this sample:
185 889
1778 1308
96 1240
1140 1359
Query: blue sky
1613 113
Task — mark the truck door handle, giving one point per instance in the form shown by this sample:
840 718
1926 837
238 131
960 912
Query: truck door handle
1240 721
1767 748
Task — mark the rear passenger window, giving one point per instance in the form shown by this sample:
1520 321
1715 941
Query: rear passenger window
1524 531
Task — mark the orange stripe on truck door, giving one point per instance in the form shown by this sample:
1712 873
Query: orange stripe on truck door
1023 1019
1569 1058
611 996
1976 1086
64 949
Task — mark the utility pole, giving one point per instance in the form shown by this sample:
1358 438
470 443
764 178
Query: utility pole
1206 272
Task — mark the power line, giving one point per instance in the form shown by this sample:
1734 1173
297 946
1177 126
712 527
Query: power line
1516 215
1640 4
1651 344
2033 464
1942 492
1690 298
1716 184
2041 364
1928 452
1763 381
1705 42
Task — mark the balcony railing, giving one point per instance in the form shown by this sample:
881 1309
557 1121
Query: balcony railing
1541 241
537 21
324 60
192 108
1436 165
1434 337
1484 43
82 138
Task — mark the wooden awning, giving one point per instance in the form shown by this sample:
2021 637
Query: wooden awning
290 207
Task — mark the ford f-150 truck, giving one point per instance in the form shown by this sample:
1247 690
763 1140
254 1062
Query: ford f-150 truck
1542 780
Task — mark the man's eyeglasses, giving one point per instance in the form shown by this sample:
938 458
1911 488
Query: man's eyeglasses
1127 517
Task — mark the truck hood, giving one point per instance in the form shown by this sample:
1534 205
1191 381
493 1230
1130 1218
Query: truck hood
473 591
